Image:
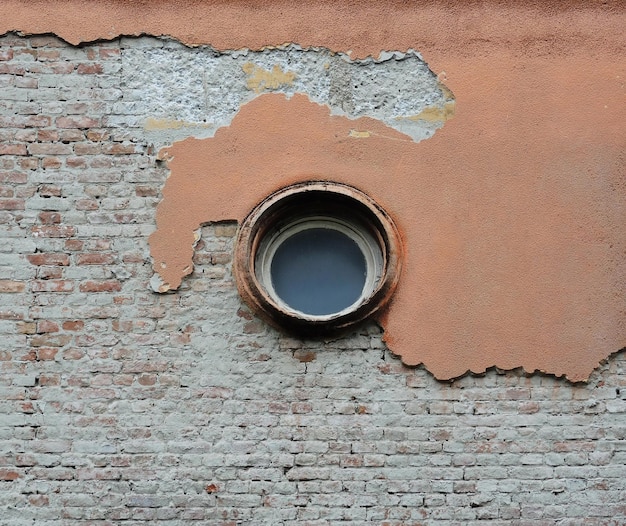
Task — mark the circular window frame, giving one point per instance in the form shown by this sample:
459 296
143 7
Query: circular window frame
315 204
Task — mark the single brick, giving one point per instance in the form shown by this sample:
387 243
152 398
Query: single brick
52 258
8 474
76 122
96 258
110 285
40 148
44 326
13 149
12 204
89 69
50 340
52 285
53 231
73 325
49 218
7 285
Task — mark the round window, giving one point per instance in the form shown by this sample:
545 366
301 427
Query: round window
317 257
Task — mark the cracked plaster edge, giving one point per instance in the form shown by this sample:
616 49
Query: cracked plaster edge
207 130
557 375
383 56
156 283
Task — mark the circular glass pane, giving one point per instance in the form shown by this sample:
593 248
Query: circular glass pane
318 271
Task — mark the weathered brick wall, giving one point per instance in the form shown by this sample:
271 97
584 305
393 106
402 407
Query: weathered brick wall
119 405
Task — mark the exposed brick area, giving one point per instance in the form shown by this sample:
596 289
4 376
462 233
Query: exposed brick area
121 406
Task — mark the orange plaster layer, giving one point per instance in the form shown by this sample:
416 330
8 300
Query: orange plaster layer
361 27
508 268
513 214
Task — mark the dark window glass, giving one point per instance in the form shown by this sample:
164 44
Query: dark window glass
318 271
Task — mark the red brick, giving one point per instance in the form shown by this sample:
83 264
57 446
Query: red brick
8 285
26 82
96 258
87 148
26 135
49 190
53 231
8 474
75 162
71 135
48 55
77 122
101 244
73 354
50 272
147 379
47 353
124 218
12 69
74 245
10 315
50 340
101 162
75 325
120 149
52 285
98 135
26 327
110 285
131 257
13 149
50 379
89 69
28 163
6 54
47 135
38 148
30 356
51 163
22 121
61 68
108 52
45 41
12 204
38 500
146 191
27 407
20 53
50 218
49 258
87 204
13 177
44 326
25 460
25 192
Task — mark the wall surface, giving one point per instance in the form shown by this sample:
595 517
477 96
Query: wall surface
512 215
119 405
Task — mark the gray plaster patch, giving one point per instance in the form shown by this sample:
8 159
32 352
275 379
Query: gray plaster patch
193 91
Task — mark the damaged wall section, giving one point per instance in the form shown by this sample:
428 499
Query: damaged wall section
193 91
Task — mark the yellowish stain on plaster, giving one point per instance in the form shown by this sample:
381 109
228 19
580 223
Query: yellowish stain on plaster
260 79
433 113
357 134
152 124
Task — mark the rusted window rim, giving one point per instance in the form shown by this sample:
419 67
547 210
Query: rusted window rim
317 205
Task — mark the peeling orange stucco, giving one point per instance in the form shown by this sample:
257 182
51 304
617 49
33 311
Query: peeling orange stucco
513 213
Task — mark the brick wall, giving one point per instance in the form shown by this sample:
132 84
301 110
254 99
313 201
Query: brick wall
122 406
